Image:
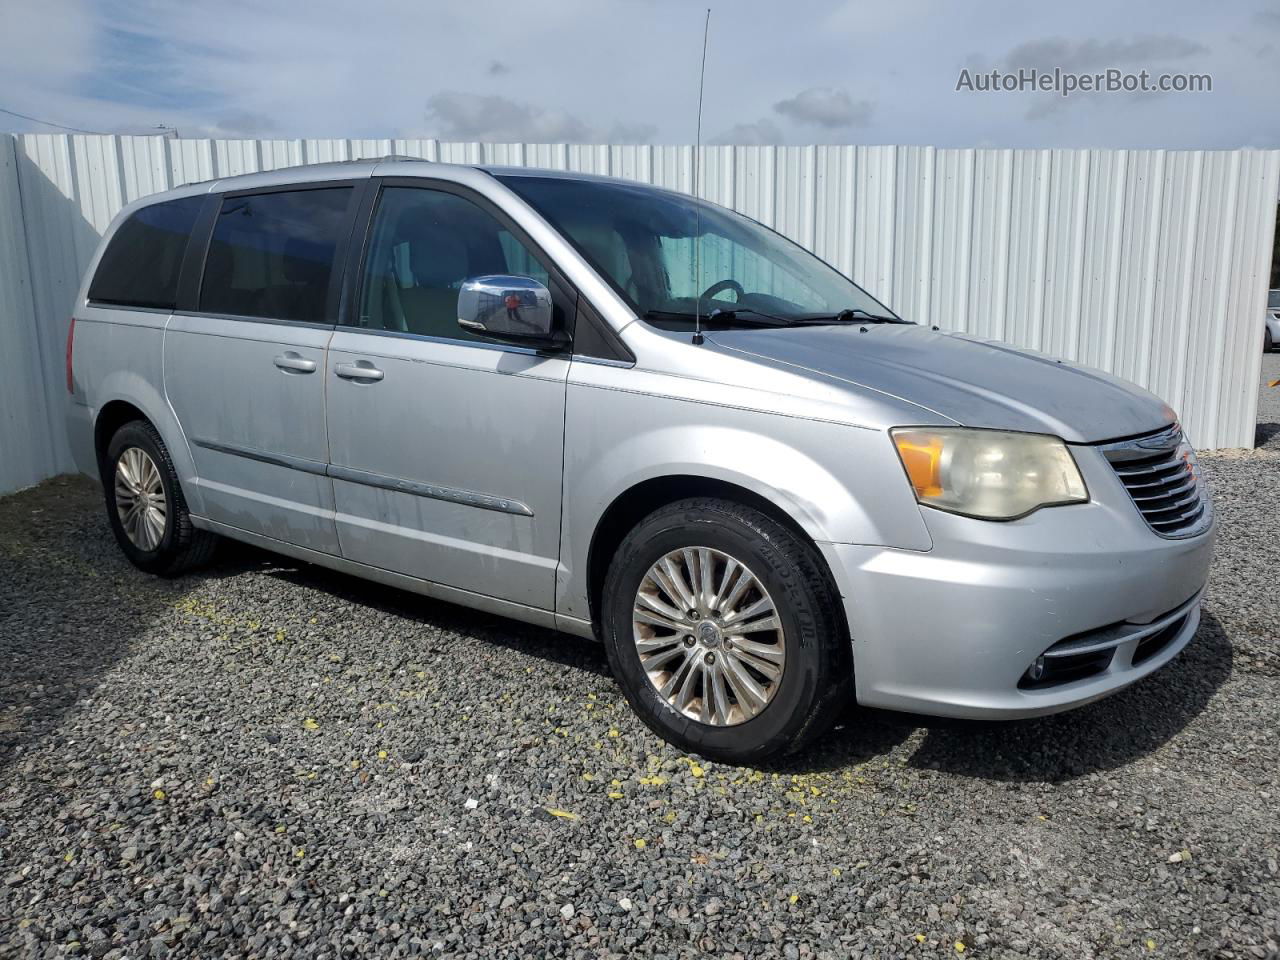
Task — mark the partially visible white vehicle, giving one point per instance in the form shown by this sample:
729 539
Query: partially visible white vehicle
1271 336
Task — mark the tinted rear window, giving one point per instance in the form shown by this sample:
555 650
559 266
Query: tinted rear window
141 263
271 254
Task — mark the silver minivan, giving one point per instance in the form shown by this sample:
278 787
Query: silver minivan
622 413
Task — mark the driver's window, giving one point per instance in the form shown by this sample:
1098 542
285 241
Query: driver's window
424 244
724 260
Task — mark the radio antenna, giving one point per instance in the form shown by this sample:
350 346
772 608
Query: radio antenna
697 192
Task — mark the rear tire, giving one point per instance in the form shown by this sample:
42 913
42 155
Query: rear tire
803 668
145 506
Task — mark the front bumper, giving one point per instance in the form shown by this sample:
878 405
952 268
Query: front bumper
953 631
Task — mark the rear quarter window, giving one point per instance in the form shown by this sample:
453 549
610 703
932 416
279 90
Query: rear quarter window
140 266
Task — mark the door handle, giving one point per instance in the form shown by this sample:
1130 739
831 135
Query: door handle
360 370
291 362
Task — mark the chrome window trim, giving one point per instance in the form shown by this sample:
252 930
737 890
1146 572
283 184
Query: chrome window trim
603 361
245 318
451 341
107 305
485 345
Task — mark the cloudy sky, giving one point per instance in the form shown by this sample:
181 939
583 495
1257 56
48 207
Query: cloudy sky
778 71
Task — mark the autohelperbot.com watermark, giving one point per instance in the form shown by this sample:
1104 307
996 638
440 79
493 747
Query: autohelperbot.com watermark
1066 83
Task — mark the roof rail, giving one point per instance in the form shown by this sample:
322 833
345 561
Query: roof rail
394 157
386 157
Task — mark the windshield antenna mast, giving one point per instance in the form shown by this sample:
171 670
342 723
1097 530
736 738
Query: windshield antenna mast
697 193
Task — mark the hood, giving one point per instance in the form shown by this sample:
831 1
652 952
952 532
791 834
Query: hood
975 382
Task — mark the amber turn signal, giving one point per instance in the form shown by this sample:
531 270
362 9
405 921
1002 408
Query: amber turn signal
921 455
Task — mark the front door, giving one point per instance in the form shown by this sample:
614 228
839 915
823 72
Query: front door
445 449
245 370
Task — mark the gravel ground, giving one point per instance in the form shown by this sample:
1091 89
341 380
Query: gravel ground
268 760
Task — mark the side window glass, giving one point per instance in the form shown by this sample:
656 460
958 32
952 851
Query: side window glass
520 262
423 246
140 266
272 254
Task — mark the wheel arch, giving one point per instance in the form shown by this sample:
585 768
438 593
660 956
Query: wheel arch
125 396
632 505
113 415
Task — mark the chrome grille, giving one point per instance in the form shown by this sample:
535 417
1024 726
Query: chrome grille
1160 473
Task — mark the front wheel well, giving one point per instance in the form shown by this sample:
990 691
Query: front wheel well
635 504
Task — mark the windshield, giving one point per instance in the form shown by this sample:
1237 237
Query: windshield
1273 301
642 240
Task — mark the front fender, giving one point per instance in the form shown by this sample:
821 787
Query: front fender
839 483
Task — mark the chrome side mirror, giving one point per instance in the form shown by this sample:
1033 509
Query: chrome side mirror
508 309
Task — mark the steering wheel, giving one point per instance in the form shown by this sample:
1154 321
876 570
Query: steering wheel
720 285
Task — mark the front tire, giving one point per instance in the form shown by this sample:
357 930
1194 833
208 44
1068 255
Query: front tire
145 505
724 631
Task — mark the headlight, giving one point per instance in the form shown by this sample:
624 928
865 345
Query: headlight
989 474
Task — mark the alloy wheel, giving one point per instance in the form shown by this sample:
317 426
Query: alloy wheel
709 636
140 500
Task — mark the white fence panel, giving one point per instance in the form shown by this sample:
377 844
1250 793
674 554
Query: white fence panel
1149 264
27 454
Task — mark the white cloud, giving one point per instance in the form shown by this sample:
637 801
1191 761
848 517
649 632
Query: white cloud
825 107
453 115
1093 54
51 40
631 133
44 49
762 131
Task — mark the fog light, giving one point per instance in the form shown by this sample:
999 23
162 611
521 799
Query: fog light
1035 672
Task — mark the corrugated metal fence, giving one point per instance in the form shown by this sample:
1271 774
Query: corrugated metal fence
1150 264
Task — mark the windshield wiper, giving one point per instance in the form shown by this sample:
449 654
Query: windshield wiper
745 315
850 314
758 318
